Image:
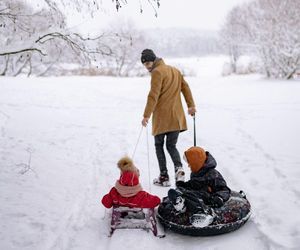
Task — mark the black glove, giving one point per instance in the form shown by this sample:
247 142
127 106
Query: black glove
217 201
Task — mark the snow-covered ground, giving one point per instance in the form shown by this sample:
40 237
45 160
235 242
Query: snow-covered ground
60 139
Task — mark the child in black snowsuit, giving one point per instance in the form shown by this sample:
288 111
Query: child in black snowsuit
206 187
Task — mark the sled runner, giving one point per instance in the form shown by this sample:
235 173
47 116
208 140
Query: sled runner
134 218
231 216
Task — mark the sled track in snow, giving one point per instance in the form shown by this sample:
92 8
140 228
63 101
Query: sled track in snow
77 217
2 124
270 161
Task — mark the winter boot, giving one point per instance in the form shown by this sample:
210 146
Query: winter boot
201 220
179 174
162 180
177 200
243 194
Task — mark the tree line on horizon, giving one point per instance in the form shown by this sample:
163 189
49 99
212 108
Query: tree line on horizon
36 40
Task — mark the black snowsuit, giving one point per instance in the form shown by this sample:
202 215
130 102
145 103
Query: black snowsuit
204 186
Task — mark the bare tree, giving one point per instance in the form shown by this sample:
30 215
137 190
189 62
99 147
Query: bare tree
271 29
33 39
235 34
126 43
88 6
280 46
30 39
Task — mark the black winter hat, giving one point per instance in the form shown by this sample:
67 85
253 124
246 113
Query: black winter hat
148 56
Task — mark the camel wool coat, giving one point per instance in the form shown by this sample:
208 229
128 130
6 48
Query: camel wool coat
164 99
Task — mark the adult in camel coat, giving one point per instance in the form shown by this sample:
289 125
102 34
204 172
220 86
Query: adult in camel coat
165 105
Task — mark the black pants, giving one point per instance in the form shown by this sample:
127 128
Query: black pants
171 147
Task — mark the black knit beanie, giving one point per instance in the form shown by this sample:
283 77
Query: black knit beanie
148 56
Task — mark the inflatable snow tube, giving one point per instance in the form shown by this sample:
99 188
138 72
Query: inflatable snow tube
231 216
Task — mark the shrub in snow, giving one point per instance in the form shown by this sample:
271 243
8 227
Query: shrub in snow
185 70
227 69
248 65
296 76
244 65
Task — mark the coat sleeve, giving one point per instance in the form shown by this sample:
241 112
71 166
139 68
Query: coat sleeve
154 93
107 201
187 93
220 188
191 184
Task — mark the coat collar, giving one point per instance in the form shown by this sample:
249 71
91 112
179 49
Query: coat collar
158 62
209 164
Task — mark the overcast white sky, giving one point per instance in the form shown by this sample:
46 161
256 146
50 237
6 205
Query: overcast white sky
200 14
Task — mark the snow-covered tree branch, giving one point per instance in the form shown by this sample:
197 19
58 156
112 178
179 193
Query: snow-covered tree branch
270 28
33 37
